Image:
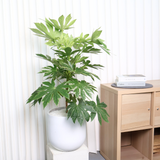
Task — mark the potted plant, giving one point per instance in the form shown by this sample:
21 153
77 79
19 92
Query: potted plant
63 70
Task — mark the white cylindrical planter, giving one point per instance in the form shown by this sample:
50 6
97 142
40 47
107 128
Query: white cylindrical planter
62 133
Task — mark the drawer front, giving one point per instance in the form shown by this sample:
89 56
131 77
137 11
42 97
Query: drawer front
157 108
135 110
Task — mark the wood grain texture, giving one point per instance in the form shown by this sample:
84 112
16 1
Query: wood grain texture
130 153
137 128
142 141
108 146
135 110
156 156
153 108
157 109
125 139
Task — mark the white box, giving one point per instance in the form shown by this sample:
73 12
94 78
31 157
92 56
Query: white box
127 84
127 78
79 154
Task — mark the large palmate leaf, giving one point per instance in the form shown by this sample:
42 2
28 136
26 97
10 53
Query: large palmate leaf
49 91
49 70
78 58
68 18
64 41
79 111
96 34
55 23
61 25
102 45
81 88
52 72
82 41
66 65
49 24
47 57
61 22
65 53
85 73
46 31
68 23
91 49
87 63
100 110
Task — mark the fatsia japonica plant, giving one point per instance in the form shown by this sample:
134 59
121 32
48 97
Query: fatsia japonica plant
70 62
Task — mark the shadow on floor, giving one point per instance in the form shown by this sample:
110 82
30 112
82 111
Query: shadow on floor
93 156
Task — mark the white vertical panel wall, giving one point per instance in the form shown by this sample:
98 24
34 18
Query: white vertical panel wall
131 29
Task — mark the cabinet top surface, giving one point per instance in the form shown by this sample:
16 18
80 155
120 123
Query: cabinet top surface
155 83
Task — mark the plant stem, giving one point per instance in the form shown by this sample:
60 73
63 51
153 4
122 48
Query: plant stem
66 105
66 98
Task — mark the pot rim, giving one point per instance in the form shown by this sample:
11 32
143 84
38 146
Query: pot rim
56 109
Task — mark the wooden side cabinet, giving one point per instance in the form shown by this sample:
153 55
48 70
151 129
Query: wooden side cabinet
134 123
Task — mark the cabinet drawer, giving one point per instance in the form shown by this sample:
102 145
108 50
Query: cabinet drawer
157 108
135 110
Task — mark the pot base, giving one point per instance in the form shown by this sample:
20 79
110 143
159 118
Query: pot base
79 154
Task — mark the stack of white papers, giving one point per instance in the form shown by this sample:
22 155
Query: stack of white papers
130 80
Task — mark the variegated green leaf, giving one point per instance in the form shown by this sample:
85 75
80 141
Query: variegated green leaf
49 91
81 88
55 23
96 34
100 110
68 18
61 22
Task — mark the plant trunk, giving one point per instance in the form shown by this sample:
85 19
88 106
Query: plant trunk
66 98
66 106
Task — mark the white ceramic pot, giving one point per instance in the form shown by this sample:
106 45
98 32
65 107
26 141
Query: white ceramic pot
62 133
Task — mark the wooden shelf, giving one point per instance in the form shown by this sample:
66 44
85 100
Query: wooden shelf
134 121
157 126
137 129
156 156
130 153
